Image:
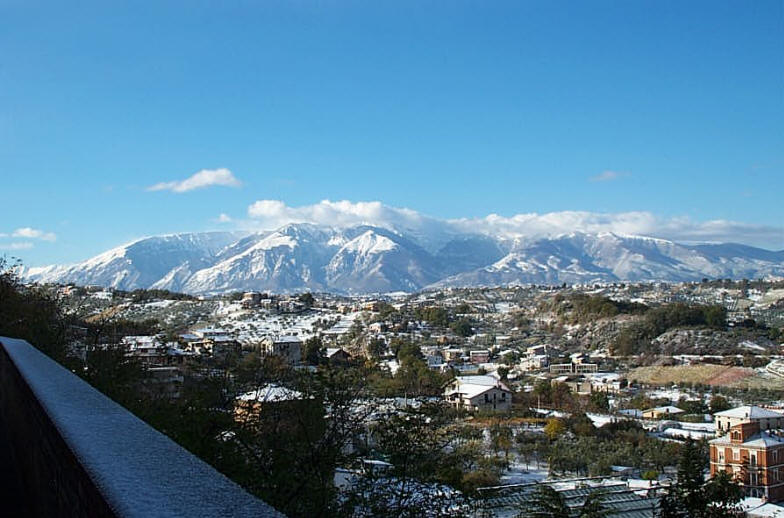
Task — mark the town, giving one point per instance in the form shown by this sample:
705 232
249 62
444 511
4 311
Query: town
459 402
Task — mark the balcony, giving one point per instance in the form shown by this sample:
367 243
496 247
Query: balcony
71 451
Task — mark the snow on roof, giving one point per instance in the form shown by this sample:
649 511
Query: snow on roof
666 410
749 412
211 330
694 434
139 339
287 339
603 376
122 454
483 379
332 351
271 393
764 438
472 386
374 462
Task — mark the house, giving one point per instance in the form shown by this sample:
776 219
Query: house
452 354
210 332
224 346
377 327
250 403
577 384
573 368
747 414
479 356
606 382
287 347
250 299
661 412
478 393
282 411
534 363
291 306
536 350
372 305
755 457
214 342
148 349
337 355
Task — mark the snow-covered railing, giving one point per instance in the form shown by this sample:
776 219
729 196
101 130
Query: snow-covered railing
78 453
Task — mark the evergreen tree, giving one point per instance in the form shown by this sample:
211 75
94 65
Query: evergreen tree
692 497
545 502
593 507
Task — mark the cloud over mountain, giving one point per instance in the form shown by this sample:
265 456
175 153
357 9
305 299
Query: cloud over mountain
271 214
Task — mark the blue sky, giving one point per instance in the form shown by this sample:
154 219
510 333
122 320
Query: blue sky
451 109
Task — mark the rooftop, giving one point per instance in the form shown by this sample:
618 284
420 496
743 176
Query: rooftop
765 438
749 412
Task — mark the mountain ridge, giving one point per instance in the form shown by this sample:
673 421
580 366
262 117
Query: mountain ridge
371 259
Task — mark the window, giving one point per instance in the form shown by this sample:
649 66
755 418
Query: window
753 459
735 454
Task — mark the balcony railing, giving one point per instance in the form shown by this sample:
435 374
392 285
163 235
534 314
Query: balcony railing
75 452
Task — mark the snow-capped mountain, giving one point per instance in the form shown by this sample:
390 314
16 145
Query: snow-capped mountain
363 259
149 262
378 260
584 258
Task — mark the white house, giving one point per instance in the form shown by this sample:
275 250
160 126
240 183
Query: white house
287 347
478 393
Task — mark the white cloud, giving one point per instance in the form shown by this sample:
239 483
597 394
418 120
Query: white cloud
204 178
680 229
20 245
33 233
224 218
275 213
607 176
271 214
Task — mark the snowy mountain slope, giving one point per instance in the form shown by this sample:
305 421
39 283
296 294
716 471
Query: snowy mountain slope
377 260
578 257
291 258
143 263
363 259
469 252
